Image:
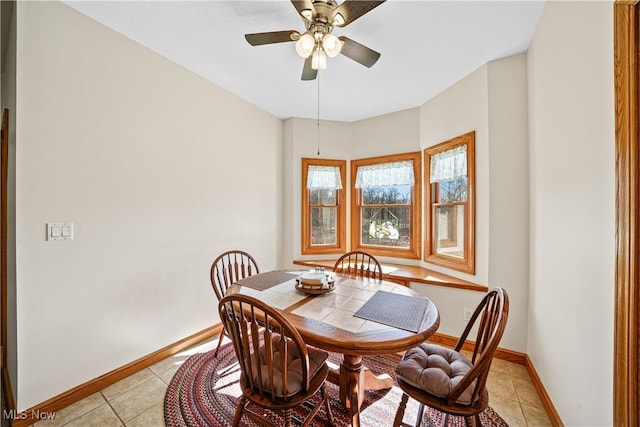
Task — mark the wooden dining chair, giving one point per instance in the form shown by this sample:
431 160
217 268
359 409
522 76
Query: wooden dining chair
226 269
278 370
359 264
446 379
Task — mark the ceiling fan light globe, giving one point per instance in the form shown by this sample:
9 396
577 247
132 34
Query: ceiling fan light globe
319 59
304 45
331 45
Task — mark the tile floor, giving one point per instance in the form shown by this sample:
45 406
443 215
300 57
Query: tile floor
137 401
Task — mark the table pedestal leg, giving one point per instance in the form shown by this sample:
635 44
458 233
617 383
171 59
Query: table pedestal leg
351 385
354 380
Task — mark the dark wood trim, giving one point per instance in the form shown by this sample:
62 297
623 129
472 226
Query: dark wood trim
501 353
627 279
8 391
65 399
4 152
552 413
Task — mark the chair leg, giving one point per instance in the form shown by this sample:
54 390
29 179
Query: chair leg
327 404
220 338
473 421
420 414
239 410
287 418
397 421
443 423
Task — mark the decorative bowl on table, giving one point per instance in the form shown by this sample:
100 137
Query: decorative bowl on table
315 283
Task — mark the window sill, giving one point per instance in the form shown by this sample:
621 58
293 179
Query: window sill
404 274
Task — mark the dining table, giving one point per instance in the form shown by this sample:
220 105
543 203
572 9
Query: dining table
354 317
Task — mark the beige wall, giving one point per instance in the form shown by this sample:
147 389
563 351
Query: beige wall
158 169
508 257
571 123
492 101
393 133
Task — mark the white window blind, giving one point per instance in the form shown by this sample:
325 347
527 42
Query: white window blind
385 174
324 177
449 165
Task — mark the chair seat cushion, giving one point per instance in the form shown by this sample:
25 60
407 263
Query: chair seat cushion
317 359
436 370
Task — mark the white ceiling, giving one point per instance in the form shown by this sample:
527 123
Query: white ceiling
426 46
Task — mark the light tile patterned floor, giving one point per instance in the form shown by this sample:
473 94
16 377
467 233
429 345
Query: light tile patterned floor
137 401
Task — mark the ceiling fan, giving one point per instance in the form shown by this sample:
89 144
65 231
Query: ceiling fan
317 42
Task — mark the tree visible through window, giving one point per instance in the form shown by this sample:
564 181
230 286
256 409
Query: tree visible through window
385 218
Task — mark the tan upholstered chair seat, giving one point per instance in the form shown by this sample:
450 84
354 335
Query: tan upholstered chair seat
436 370
317 359
446 380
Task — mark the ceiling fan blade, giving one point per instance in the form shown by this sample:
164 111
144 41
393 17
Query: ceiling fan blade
354 9
358 52
308 73
302 6
257 39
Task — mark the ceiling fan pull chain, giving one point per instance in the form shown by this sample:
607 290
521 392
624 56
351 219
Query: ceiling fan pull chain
318 119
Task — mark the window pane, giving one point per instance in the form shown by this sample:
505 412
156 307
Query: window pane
383 226
453 191
323 226
387 195
323 197
449 230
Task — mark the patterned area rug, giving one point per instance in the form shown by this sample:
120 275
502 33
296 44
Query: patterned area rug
205 390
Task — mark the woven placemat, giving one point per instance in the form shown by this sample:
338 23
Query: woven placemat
266 280
400 311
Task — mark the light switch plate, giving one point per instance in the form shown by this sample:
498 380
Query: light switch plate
59 231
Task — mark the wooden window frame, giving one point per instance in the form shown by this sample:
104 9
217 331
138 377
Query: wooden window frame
467 264
341 220
414 250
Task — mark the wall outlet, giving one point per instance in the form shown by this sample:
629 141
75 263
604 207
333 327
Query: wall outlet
467 313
